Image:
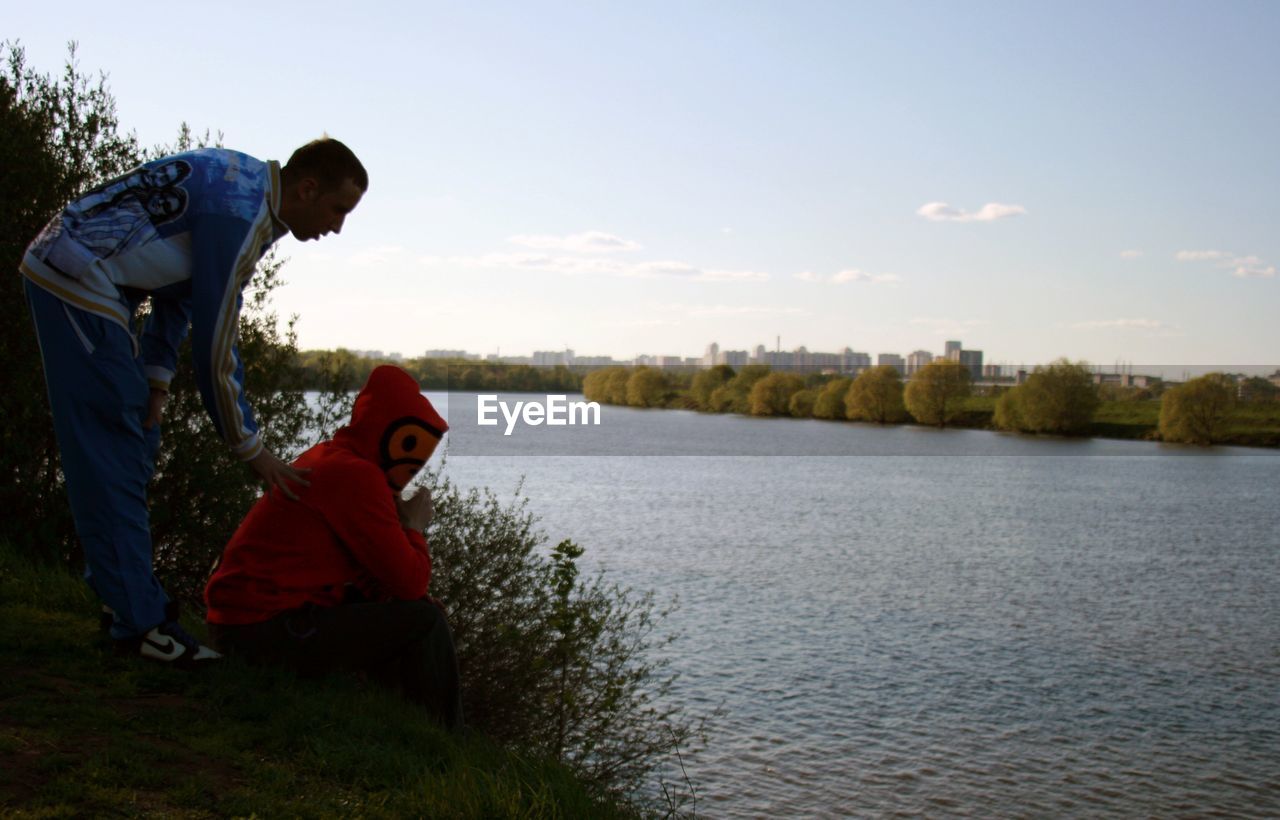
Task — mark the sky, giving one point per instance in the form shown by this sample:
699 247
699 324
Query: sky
1081 179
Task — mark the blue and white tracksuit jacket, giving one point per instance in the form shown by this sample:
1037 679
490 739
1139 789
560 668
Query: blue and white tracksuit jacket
186 231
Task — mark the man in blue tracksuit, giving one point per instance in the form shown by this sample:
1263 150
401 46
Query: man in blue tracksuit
186 231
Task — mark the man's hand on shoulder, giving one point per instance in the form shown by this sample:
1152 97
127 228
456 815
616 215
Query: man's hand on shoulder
276 474
155 407
416 512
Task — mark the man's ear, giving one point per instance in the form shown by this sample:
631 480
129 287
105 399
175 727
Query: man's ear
308 189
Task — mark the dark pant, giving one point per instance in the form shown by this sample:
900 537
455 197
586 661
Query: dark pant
402 644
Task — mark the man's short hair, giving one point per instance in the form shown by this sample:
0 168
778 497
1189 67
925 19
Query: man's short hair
329 162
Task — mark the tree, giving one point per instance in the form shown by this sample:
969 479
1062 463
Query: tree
876 395
1197 412
607 385
199 493
57 138
647 387
771 395
734 395
706 382
802 402
933 395
1059 399
830 401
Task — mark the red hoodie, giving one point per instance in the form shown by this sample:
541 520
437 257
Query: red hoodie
344 528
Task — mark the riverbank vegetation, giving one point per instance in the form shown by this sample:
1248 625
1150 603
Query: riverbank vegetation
1057 399
558 669
86 733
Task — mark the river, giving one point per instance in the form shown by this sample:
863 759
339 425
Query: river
904 621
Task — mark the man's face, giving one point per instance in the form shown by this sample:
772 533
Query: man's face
322 212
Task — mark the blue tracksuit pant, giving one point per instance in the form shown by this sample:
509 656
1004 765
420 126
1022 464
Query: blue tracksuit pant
99 398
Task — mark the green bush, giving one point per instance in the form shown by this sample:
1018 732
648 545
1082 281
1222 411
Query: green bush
57 137
551 661
1060 398
706 382
647 387
801 404
771 395
876 395
830 401
1197 412
936 392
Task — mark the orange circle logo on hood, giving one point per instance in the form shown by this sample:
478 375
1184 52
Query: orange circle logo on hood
406 446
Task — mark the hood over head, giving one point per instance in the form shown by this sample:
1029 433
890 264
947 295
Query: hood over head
393 425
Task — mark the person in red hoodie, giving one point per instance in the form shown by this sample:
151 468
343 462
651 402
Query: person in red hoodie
338 579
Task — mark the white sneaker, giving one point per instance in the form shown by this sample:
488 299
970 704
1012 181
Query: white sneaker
170 643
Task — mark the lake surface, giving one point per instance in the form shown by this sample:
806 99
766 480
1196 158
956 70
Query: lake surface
902 622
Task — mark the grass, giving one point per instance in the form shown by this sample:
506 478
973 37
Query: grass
86 733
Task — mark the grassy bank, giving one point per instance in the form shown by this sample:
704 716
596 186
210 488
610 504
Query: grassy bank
86 733
1250 425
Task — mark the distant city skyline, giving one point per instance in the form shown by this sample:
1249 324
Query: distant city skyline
1059 179
844 360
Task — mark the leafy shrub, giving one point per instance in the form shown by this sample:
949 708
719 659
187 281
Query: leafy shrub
551 661
1060 398
705 382
771 395
830 401
801 404
934 394
57 137
1197 412
647 387
876 395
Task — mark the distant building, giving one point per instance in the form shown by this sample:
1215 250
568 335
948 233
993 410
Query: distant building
551 358
1124 380
451 354
734 358
854 362
917 359
711 356
892 360
952 352
971 359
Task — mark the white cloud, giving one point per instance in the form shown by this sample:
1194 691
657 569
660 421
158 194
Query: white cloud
943 212
1131 254
592 265
1200 256
586 242
1136 324
844 276
1251 267
1242 267
703 311
733 276
862 276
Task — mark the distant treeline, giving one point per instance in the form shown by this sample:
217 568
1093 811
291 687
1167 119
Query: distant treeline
1058 399
322 367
